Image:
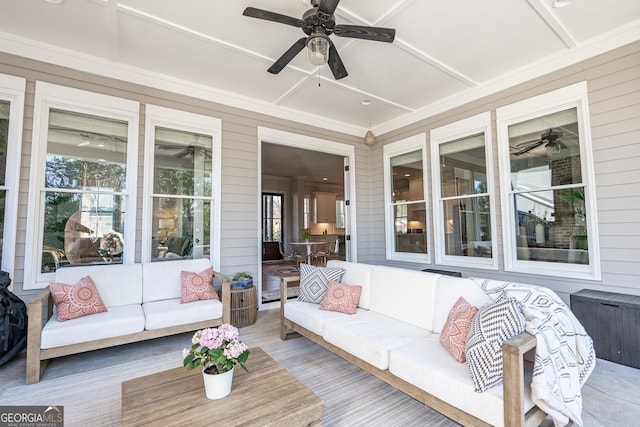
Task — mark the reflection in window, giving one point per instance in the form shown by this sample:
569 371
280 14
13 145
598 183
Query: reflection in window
464 195
548 189
182 191
407 197
85 177
4 140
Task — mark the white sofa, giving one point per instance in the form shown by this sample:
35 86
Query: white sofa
395 336
142 301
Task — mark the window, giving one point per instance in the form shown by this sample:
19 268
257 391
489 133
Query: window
82 194
11 113
182 164
461 168
306 214
548 184
340 214
405 213
272 205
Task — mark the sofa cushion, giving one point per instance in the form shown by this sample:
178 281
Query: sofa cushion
314 282
197 286
492 325
73 301
426 364
356 274
370 336
162 278
454 333
406 295
118 284
341 298
308 315
166 313
448 290
121 320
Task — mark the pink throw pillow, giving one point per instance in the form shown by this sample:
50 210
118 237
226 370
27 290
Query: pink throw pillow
341 298
197 286
454 331
73 301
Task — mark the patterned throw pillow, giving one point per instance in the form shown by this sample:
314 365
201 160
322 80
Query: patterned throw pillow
492 325
73 301
341 298
455 330
314 282
197 286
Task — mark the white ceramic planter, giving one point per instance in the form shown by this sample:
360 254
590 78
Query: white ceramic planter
217 386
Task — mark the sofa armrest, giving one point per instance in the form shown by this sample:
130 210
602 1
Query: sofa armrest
514 353
225 297
284 284
39 305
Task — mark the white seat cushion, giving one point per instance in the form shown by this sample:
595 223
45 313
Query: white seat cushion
117 321
370 336
309 315
426 364
166 313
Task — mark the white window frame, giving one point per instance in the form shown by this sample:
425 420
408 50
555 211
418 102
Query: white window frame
573 96
157 116
12 89
407 145
48 96
480 123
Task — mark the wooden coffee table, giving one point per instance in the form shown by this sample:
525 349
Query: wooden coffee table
266 395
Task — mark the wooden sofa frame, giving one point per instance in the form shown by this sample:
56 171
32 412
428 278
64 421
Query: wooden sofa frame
41 309
514 352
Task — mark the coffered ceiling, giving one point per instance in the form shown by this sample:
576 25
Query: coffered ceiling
445 52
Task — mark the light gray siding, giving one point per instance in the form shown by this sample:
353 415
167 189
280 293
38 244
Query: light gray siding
613 81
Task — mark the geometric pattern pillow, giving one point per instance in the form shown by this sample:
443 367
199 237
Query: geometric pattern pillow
197 286
492 325
341 298
73 301
454 333
314 282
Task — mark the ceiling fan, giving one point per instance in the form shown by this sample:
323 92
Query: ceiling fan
318 24
188 151
549 139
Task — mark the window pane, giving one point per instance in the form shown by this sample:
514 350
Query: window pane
82 228
407 177
182 164
4 138
271 217
467 227
545 151
85 152
183 228
463 166
551 226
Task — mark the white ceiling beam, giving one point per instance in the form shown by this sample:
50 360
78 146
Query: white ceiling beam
543 9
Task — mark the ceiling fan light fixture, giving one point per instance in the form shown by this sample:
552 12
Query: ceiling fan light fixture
318 50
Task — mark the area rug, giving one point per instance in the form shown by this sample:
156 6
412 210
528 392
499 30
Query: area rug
274 294
351 396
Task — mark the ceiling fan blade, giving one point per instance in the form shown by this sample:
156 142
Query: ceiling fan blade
378 34
272 16
328 6
335 63
288 56
526 150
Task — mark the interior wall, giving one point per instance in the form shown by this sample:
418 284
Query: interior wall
613 81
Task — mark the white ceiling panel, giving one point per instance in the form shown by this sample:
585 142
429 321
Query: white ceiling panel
444 52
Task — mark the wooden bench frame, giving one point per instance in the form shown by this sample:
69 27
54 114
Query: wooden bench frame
41 309
514 352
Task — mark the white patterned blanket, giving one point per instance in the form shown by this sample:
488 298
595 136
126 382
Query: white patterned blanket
565 356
